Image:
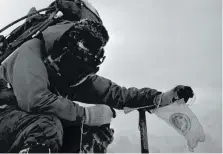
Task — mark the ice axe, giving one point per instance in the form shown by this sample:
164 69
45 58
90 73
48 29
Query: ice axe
142 127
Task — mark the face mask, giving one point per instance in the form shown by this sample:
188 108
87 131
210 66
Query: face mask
74 69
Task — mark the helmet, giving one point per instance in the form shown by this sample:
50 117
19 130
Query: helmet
89 12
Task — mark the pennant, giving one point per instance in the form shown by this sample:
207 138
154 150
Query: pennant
184 121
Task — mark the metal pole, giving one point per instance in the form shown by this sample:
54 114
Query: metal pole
143 131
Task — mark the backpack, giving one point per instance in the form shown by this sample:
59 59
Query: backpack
35 23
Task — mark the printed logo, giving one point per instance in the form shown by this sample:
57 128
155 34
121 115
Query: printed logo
181 122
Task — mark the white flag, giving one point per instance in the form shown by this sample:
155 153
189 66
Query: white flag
184 121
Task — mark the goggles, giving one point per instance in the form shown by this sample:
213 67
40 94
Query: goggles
88 55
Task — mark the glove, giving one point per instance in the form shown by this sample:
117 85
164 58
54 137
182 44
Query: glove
98 115
174 94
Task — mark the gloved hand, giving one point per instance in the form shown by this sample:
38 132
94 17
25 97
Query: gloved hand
98 115
174 94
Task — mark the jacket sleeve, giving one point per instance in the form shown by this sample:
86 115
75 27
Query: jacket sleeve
30 85
102 90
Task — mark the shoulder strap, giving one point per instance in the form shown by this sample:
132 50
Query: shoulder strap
31 33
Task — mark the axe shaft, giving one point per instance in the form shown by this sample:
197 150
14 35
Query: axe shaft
143 132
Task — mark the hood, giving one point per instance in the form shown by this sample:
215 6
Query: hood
53 33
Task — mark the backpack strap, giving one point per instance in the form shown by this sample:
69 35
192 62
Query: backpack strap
29 34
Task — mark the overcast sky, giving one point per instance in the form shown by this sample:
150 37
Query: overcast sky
162 43
155 43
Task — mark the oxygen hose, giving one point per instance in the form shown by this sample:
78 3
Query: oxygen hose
24 17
